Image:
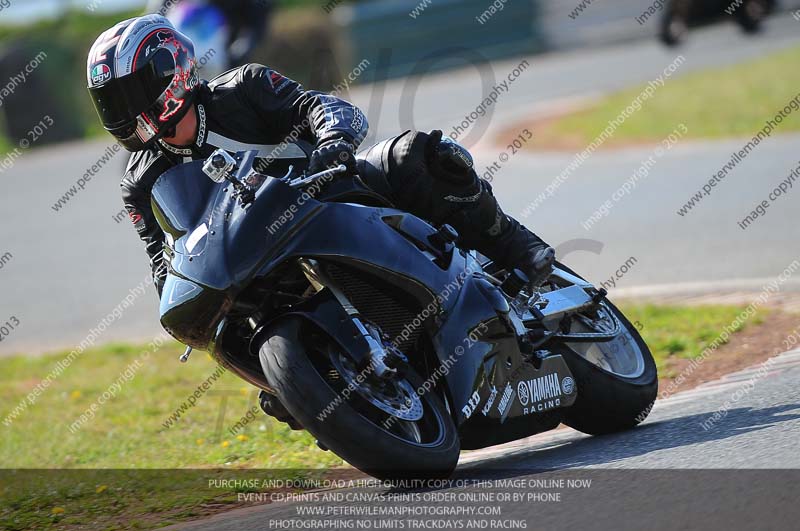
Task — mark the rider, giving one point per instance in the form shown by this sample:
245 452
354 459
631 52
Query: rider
144 84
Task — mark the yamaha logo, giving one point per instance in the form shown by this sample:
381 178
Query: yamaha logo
522 391
540 394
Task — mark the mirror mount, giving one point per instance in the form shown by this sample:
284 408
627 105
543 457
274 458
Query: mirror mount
220 167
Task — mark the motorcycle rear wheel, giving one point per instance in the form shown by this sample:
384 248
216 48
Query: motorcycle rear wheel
305 367
613 395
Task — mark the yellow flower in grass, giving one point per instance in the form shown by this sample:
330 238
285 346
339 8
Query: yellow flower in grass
200 441
242 437
76 394
244 391
57 510
100 489
225 444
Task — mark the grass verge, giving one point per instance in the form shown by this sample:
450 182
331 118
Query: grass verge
123 461
132 431
713 103
134 428
676 333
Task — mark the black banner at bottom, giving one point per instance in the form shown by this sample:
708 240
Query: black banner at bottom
344 499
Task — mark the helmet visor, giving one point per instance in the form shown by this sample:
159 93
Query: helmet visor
121 100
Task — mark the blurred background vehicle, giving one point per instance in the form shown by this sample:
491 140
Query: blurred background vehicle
681 14
225 33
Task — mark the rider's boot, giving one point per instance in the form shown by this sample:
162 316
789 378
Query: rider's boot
274 408
482 223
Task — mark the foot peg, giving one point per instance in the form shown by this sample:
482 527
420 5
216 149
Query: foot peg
274 408
600 296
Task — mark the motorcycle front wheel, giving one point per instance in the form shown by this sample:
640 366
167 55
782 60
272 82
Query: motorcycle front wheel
390 429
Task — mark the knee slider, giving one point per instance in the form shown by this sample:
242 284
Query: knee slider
448 160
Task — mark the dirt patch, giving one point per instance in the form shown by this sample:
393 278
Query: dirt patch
547 138
750 346
544 137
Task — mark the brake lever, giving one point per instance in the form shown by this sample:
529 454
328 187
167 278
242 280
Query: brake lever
304 180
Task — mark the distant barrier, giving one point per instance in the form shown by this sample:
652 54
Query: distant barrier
407 37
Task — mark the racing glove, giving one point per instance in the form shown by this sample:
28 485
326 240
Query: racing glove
331 153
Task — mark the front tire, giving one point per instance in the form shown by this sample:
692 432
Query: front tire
293 357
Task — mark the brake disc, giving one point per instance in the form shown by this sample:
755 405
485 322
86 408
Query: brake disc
394 396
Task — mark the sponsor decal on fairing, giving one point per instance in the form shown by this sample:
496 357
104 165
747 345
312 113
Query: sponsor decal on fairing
472 405
506 400
543 393
489 402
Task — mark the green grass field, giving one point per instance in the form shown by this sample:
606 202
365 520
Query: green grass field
713 103
128 430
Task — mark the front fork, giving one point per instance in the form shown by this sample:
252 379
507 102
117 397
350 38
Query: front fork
384 360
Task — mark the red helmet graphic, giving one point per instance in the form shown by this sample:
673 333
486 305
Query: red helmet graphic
142 77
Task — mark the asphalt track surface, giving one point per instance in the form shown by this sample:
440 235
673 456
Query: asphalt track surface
684 468
69 269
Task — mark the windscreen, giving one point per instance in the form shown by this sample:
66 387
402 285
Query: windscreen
183 198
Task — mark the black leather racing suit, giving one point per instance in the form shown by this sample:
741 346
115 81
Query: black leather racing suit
255 108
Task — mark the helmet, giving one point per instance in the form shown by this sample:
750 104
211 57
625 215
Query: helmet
142 77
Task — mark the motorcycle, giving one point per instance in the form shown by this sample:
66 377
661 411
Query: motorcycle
680 14
391 345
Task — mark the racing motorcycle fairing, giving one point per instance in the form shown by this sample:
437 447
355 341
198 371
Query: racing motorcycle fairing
218 246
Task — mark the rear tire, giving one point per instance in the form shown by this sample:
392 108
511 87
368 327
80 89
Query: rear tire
285 356
608 402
